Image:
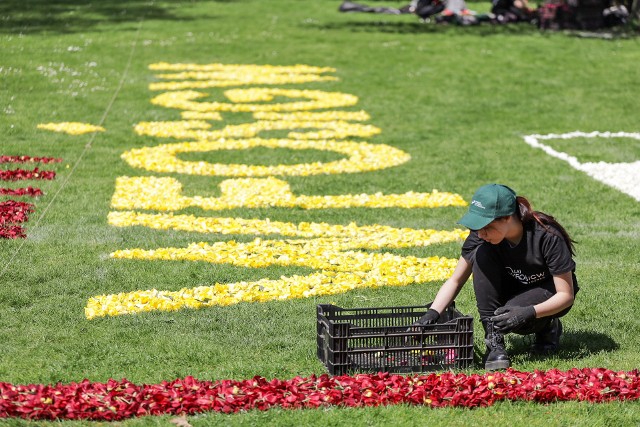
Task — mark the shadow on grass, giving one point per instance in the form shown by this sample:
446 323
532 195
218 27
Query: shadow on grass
70 16
483 29
574 345
420 27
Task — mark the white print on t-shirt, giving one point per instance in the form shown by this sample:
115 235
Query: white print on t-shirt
523 278
621 176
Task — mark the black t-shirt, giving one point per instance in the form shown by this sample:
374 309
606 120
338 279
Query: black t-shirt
540 254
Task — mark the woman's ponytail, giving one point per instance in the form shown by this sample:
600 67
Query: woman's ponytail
527 214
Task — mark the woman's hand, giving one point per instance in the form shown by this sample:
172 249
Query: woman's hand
509 319
429 318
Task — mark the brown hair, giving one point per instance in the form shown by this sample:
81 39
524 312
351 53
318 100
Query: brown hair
526 214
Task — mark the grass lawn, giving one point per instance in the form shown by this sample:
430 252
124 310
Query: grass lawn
458 100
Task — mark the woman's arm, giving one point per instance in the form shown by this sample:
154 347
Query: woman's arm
450 289
561 300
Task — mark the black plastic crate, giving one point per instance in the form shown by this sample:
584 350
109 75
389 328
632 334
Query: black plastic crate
382 339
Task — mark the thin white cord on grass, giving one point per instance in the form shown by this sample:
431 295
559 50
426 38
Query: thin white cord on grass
86 147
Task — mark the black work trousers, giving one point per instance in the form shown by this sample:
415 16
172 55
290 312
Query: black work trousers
494 288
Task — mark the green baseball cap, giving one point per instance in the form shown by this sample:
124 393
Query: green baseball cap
489 202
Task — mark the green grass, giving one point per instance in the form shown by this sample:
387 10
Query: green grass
458 100
611 150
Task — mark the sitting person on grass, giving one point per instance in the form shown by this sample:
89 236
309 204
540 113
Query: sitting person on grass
507 11
523 273
445 11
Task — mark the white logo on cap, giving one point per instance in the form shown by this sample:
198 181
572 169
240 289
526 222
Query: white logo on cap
477 204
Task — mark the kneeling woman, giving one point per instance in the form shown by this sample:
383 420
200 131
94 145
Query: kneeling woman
523 272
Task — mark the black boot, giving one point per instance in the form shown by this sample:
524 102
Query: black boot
496 357
548 339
